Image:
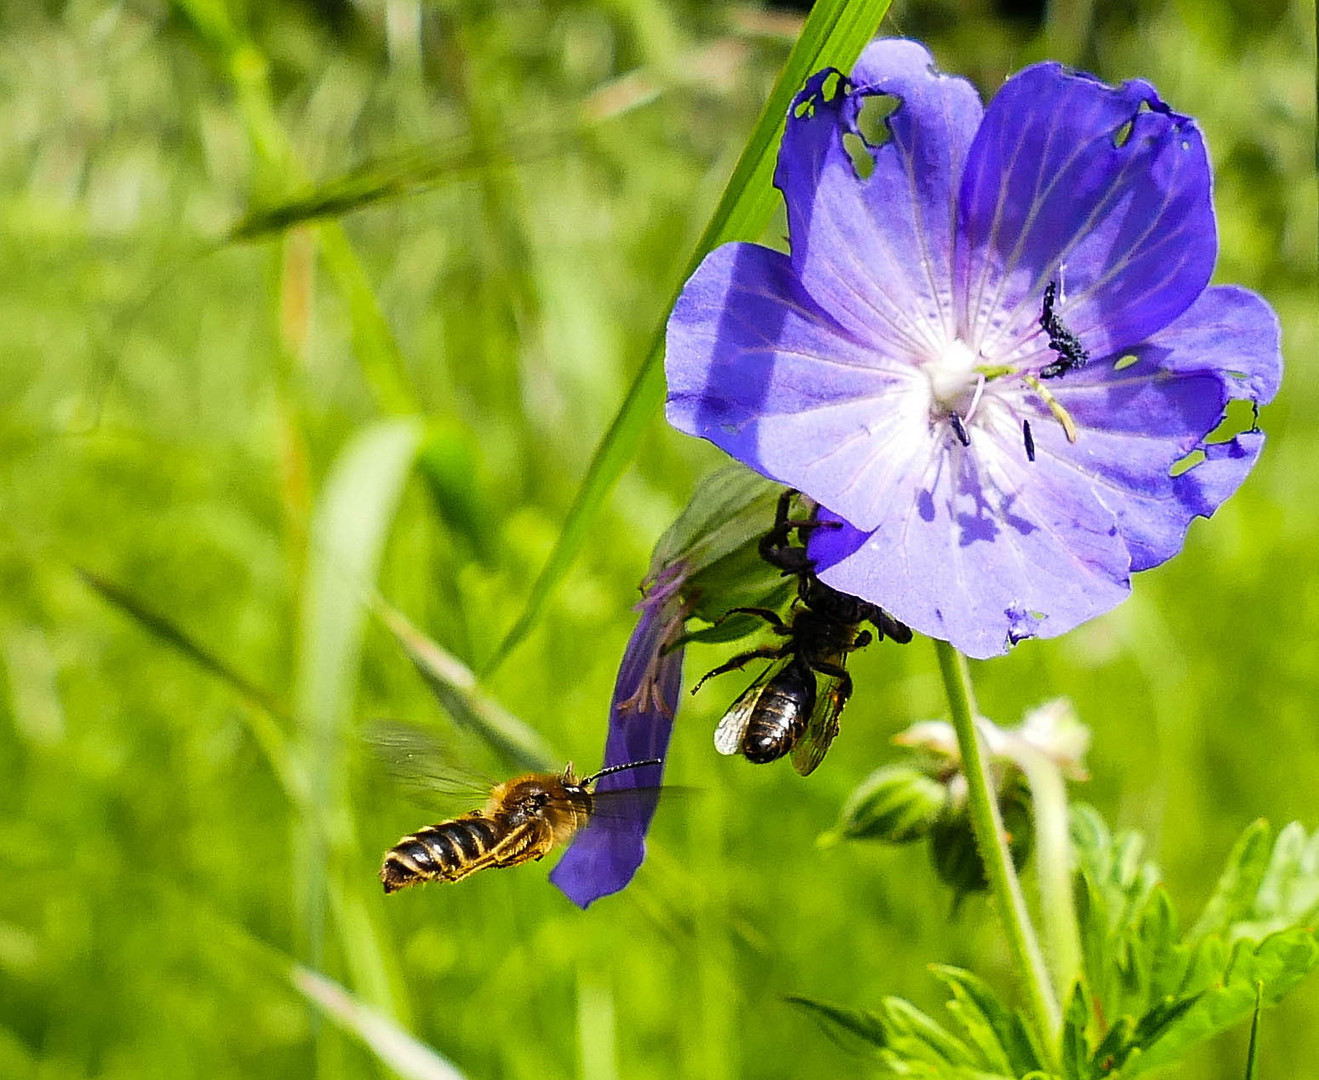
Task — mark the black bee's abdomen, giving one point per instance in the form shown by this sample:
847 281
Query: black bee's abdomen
781 714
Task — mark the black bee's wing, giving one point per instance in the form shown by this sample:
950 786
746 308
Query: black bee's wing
822 726
728 735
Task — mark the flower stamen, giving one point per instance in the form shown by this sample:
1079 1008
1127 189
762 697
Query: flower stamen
959 429
1071 353
1029 439
975 399
1055 407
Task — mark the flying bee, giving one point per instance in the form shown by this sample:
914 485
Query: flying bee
524 818
794 704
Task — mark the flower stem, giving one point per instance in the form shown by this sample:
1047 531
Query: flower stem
988 826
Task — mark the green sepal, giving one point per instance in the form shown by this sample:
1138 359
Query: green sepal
953 847
728 509
896 804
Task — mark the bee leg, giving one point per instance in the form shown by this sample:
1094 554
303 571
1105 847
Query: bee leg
775 546
844 689
778 625
765 652
862 639
889 627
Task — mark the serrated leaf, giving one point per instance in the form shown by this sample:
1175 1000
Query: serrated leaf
998 1031
1263 972
1234 895
915 1036
834 34
1075 1051
846 1027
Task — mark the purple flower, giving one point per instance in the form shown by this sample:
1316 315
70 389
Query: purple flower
990 345
607 852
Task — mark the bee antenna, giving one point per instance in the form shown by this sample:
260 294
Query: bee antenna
620 768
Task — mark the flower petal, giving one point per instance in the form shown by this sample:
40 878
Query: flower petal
877 252
1138 421
607 852
987 548
1104 190
755 366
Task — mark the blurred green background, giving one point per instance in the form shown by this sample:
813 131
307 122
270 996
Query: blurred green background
221 428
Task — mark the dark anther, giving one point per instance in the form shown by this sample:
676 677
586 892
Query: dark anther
1029 439
1071 353
959 429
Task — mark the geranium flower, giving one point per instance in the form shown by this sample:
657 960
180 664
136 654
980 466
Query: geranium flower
990 346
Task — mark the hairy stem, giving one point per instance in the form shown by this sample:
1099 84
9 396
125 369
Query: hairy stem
990 839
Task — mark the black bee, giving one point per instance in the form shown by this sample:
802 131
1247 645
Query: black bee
787 708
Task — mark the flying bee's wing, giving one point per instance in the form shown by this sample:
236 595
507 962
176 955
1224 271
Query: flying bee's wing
728 735
422 765
831 696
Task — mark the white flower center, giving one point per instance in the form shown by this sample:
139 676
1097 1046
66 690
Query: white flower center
953 377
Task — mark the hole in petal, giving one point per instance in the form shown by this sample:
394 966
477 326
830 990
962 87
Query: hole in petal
1239 416
872 119
1186 464
862 163
1123 134
1124 362
832 86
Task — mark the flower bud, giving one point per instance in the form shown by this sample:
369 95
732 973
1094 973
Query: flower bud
952 840
896 804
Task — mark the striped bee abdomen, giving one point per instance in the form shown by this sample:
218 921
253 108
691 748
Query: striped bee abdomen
780 715
448 851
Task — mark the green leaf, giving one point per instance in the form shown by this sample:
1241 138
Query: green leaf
1075 1049
1256 974
851 1029
354 513
835 33
169 632
999 1032
1234 895
1163 994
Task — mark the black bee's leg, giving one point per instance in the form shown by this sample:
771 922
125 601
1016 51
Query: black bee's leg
889 627
836 671
862 639
765 652
775 546
777 624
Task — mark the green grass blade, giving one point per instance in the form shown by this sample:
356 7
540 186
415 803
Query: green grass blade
454 685
166 630
394 1047
834 34
267 711
353 517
